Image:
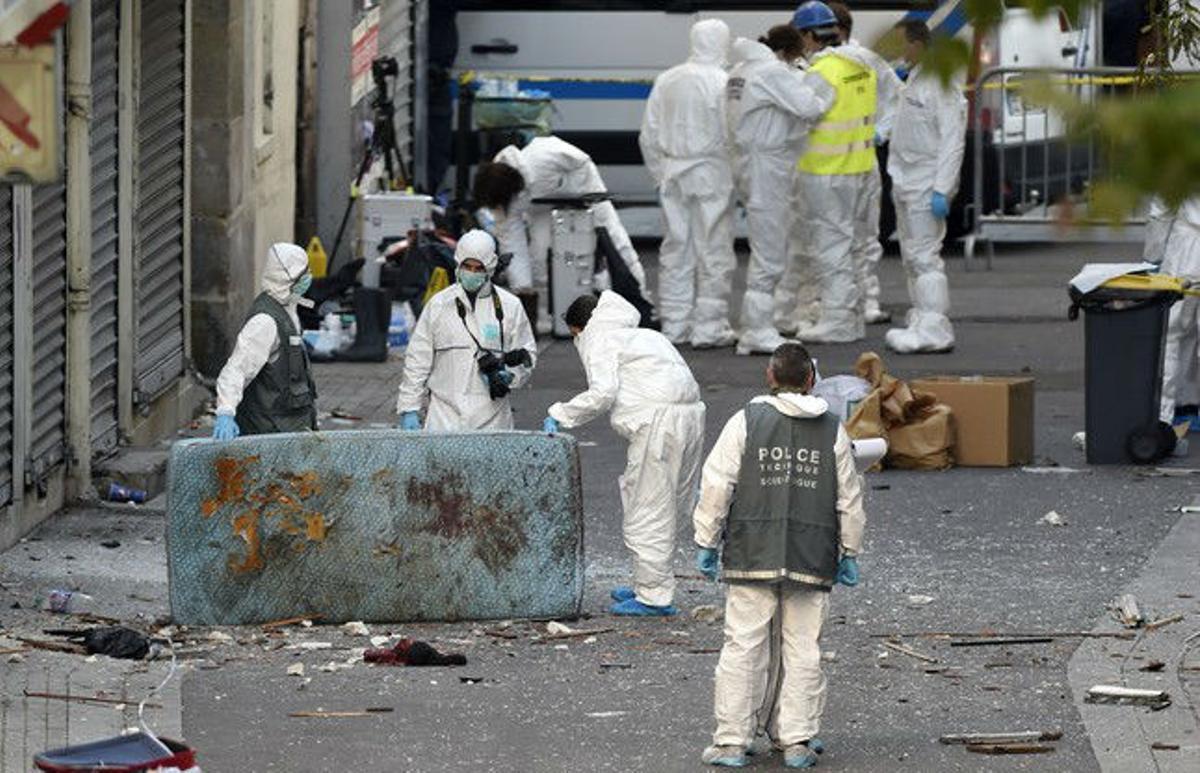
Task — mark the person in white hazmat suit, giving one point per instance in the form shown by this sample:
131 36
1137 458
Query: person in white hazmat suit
547 167
684 147
868 249
835 171
638 376
470 347
781 497
924 161
1179 234
266 384
768 107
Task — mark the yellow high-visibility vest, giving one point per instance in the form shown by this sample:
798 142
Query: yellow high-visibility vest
844 141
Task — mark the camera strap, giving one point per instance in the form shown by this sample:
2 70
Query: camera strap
496 308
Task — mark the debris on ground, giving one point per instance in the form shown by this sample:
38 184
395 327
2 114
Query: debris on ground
98 699
555 628
116 642
707 613
1153 624
356 628
1002 642
220 637
1022 736
408 652
379 641
1127 696
1010 748
1163 746
303 620
1153 666
575 633
111 544
1054 470
322 714
1126 610
295 669
1053 518
909 652
918 600
310 645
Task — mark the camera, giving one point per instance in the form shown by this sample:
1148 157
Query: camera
518 357
384 67
492 368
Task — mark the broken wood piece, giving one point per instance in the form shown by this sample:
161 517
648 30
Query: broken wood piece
1005 635
14 650
1021 736
576 634
704 651
1131 696
909 652
1153 666
1126 608
500 633
1153 624
286 621
1163 746
1002 642
1009 748
53 646
334 714
84 699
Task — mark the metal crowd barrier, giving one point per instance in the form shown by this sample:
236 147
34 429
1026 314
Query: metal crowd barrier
1031 177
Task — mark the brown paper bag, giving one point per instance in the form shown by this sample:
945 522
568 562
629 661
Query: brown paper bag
919 430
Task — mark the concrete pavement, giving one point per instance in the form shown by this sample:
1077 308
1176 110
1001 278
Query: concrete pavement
639 697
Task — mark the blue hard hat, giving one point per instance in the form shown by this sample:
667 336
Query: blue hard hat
812 15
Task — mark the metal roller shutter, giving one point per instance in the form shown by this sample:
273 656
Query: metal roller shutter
396 39
159 218
104 148
6 344
48 434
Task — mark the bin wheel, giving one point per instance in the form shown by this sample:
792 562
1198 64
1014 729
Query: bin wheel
1151 443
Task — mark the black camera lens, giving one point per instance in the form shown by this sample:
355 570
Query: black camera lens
518 357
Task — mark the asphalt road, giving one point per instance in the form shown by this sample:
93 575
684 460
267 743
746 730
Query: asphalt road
639 697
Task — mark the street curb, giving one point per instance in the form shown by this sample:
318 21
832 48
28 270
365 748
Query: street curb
1121 736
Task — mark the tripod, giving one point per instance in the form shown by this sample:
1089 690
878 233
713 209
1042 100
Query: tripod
383 141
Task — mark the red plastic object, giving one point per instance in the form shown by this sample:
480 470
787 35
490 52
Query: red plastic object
123 754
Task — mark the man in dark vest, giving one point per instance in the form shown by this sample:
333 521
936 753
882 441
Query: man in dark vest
781 492
266 384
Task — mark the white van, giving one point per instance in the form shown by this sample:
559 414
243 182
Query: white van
598 59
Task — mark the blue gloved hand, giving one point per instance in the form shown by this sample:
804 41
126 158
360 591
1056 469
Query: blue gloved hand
879 140
410 420
706 562
847 571
505 376
939 205
550 425
225 428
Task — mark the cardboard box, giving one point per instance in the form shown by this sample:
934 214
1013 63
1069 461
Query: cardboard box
994 417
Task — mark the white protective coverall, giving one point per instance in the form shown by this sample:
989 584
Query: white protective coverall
655 404
768 109
1181 258
441 359
684 147
928 140
753 609
258 342
867 248
553 168
833 207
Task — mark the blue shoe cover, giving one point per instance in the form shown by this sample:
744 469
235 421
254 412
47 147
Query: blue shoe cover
635 608
621 593
725 757
800 756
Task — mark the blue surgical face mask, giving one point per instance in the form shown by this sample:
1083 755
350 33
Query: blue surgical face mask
302 285
471 281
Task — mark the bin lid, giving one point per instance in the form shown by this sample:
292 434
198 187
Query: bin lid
1093 275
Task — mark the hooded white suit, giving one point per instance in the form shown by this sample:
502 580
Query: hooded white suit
639 377
552 168
769 108
684 147
1181 258
440 364
258 342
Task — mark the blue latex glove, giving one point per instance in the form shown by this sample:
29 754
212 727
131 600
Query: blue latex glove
939 205
706 562
879 140
847 572
225 428
410 420
550 425
506 376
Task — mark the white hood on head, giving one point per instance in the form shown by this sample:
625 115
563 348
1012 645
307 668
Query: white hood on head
613 311
285 264
795 404
478 245
709 42
748 50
